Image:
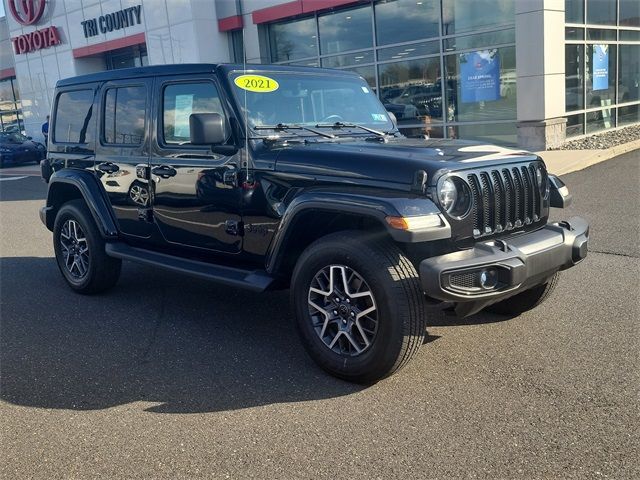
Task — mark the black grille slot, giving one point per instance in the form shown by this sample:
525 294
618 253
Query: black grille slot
519 197
476 205
504 199
498 191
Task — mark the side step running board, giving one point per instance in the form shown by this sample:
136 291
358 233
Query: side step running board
255 280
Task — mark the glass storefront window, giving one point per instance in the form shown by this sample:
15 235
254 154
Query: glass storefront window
601 120
500 133
480 40
629 114
348 59
481 85
601 12
368 73
420 49
10 112
575 125
574 11
236 45
411 90
574 33
629 73
405 20
630 35
460 16
346 30
601 34
630 13
600 86
293 40
574 77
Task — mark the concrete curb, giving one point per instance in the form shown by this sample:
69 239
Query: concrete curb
561 162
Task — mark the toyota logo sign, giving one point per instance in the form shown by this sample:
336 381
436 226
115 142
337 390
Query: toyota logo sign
30 11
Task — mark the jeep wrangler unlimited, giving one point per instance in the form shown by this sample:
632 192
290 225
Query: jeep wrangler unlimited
285 177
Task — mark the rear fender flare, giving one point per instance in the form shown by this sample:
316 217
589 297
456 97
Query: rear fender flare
90 190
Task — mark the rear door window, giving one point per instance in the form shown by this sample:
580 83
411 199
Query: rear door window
73 120
124 115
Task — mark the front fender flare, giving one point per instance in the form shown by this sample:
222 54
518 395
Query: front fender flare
90 190
366 205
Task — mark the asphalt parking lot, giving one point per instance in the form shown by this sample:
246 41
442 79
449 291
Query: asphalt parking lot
168 377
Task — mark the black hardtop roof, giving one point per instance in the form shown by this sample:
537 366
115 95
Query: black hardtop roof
185 68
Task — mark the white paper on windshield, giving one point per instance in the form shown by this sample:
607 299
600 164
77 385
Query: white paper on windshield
379 117
182 112
365 89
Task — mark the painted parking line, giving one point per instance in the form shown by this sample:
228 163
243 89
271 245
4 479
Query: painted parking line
4 179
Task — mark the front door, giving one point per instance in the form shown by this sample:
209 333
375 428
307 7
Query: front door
122 153
196 202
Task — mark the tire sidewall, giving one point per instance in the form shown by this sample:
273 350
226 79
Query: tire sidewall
382 354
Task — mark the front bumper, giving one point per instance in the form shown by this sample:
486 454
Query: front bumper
513 265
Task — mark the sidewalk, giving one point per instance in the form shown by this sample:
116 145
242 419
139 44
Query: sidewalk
561 162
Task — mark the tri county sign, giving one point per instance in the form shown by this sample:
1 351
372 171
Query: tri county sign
29 12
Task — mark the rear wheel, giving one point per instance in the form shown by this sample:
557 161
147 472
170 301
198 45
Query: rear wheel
80 251
358 305
526 300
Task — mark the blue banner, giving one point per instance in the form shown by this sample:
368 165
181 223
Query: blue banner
600 67
480 76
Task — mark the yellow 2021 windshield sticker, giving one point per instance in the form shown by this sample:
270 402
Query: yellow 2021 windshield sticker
256 83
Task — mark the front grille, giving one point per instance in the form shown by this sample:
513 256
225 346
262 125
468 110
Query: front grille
504 199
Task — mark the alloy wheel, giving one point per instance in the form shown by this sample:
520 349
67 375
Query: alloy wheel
75 249
139 195
343 310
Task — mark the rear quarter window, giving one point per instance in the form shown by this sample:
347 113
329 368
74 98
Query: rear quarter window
73 118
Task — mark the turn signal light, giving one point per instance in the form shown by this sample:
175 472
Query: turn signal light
414 223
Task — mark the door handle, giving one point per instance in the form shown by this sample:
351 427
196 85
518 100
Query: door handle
108 167
164 171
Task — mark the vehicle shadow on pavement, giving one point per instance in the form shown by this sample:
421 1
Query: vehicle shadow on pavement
31 188
182 345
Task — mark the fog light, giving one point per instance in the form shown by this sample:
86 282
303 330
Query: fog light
488 278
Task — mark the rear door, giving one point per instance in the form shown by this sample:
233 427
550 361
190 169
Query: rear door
122 152
196 203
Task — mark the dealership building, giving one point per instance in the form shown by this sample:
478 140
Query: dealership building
525 72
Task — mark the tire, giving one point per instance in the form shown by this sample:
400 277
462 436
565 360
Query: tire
375 266
527 300
92 270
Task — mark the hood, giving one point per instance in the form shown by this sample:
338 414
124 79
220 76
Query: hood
396 161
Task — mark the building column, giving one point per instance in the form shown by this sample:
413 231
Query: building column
540 72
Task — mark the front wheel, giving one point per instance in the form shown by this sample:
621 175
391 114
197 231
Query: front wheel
358 305
80 250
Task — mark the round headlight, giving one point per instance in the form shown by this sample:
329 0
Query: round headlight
455 196
447 194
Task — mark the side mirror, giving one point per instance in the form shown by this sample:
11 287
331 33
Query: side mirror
206 129
29 138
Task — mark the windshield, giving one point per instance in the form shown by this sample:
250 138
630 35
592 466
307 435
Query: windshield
12 138
309 99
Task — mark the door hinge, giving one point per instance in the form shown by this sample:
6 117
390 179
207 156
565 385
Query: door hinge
233 227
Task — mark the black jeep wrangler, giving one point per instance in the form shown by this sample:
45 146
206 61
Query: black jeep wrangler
283 177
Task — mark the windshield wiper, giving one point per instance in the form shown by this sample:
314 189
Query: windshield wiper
339 125
284 126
